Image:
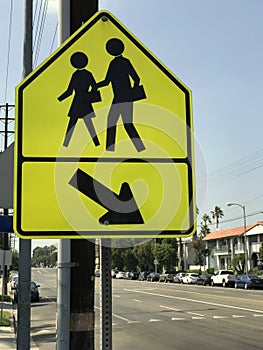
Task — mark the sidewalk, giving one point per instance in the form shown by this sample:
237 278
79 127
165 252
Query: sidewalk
7 333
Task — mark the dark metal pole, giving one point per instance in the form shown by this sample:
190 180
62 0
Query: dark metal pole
5 235
64 262
24 312
82 251
6 126
105 295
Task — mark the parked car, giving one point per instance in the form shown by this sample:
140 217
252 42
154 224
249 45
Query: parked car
153 277
133 275
204 279
97 273
113 273
34 292
190 277
143 275
167 276
126 275
121 275
14 280
248 281
178 277
225 278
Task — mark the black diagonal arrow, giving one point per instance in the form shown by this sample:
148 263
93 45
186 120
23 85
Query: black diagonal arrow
122 208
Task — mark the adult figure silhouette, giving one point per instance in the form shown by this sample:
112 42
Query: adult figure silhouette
82 83
119 72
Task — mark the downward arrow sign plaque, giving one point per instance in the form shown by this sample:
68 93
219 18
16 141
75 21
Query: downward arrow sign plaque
122 208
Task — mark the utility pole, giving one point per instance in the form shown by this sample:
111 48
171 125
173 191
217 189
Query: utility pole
82 251
24 312
63 264
76 257
5 236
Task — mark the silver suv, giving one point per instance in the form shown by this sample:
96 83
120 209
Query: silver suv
167 276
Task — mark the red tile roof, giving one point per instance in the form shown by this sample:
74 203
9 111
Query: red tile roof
237 231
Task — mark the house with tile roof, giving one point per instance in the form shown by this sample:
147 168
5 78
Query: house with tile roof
224 245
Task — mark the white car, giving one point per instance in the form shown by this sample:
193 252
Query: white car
190 277
121 275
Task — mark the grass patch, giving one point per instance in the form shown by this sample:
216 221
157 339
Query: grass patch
5 319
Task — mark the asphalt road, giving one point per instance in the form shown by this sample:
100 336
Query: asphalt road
43 314
154 316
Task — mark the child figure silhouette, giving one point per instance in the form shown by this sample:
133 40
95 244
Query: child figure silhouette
82 83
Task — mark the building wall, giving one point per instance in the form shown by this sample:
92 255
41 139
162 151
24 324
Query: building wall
223 250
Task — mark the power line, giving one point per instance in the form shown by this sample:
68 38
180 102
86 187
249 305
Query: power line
233 219
36 22
54 37
236 169
39 34
9 46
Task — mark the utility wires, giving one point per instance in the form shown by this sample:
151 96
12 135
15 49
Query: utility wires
39 20
8 48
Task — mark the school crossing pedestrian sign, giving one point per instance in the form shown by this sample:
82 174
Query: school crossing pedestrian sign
104 142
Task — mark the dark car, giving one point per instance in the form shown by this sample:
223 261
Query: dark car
143 275
133 275
204 279
248 281
153 277
34 292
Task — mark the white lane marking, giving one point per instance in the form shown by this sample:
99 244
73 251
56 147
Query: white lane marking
178 319
239 316
194 313
137 301
169 308
155 320
256 315
117 296
198 318
219 317
122 318
194 301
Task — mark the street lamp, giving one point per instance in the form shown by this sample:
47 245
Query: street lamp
245 229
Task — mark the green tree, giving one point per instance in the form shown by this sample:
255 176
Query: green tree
44 256
204 226
166 254
217 214
261 251
206 219
130 260
201 251
204 230
238 263
15 260
145 255
117 259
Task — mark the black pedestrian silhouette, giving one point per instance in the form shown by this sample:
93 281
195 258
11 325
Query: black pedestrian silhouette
84 85
119 72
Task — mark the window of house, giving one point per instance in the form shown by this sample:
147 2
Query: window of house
253 239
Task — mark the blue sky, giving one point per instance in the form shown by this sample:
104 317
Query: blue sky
215 48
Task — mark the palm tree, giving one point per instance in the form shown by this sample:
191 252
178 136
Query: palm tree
217 214
206 219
